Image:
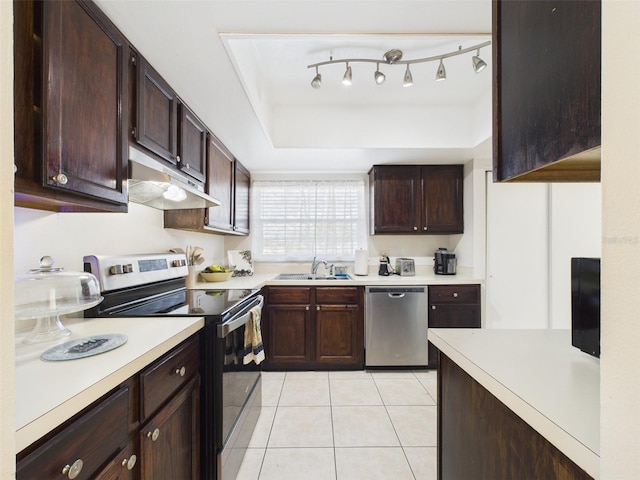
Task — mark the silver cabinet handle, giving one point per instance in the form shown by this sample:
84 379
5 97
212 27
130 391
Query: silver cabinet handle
60 178
73 470
307 307
154 435
130 462
455 294
433 307
415 228
318 307
186 166
178 158
181 371
424 228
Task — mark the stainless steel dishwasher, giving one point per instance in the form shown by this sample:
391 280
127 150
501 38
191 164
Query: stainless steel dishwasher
396 327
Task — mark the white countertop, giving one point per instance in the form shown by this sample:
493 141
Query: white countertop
538 374
48 393
424 276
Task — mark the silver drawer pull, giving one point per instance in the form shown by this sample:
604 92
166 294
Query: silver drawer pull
154 435
62 179
72 471
181 371
455 294
130 462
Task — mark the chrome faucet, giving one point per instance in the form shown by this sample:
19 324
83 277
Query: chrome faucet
315 264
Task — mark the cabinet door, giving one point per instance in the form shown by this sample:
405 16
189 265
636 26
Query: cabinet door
442 188
339 334
192 145
290 334
547 90
220 184
395 191
157 109
170 442
71 97
242 192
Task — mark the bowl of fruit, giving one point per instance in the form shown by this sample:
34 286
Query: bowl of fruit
216 273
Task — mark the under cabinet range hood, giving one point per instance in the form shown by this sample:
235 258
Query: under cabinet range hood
158 186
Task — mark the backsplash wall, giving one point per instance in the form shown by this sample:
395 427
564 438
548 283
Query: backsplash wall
67 237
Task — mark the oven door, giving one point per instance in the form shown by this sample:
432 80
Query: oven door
239 399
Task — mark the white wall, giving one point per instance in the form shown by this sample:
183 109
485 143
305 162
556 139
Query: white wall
619 379
67 237
7 400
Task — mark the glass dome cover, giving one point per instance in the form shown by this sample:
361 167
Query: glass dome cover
47 292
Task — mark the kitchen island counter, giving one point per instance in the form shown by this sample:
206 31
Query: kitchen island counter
541 377
49 393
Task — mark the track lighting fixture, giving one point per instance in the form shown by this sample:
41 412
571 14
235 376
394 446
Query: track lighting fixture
317 80
478 63
394 57
408 79
441 74
378 76
346 80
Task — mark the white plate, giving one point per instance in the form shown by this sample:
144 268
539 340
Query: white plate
84 347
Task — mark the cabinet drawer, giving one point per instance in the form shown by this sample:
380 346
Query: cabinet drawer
279 295
454 294
76 445
163 378
337 295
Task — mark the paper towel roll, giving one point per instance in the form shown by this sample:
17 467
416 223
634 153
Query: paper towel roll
361 266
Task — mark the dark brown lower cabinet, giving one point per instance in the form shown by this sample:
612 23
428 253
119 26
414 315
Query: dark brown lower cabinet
452 306
314 328
116 438
479 437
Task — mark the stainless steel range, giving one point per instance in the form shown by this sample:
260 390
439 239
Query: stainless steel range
231 396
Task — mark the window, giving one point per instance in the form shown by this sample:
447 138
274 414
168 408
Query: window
295 220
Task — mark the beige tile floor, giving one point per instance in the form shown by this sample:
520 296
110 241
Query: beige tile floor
363 425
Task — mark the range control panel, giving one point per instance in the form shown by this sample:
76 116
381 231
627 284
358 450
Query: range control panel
116 272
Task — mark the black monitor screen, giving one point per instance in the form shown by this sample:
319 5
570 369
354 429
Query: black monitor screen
585 305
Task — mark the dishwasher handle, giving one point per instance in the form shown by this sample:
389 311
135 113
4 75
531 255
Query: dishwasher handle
396 295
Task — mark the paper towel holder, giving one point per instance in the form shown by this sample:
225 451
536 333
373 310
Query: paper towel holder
361 264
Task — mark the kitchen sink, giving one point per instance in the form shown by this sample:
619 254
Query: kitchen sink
311 276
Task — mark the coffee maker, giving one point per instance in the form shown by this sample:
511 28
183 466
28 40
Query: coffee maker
385 268
444 263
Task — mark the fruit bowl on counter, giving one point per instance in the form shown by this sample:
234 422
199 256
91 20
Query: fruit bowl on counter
216 273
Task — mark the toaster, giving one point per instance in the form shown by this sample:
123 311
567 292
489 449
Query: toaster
405 267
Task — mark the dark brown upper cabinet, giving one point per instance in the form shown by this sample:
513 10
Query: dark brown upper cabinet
546 90
241 198
192 144
70 103
157 113
416 199
220 186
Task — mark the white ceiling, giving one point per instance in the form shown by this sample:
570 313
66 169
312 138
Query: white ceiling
242 66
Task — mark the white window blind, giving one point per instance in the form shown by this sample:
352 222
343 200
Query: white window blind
295 220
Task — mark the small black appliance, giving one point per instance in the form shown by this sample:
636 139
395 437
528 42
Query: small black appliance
444 262
585 305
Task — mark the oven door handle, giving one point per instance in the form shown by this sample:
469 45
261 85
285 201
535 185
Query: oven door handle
228 327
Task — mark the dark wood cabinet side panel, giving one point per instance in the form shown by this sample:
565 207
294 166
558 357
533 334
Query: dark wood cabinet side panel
547 85
241 198
480 437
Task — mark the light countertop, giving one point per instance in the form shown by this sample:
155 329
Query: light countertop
538 374
423 276
49 393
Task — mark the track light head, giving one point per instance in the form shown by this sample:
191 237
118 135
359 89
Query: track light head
441 73
408 79
379 76
478 63
346 80
317 80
